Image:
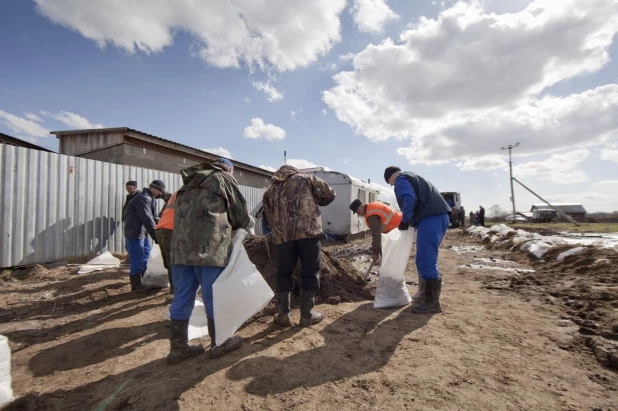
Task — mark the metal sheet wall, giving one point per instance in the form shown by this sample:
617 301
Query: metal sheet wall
55 206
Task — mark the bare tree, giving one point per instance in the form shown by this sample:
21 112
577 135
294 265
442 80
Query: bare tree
496 212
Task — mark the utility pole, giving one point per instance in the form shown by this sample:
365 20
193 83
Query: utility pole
510 147
285 155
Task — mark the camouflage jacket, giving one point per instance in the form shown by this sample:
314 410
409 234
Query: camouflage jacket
209 207
291 205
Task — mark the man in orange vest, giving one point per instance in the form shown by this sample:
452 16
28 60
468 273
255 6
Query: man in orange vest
380 218
164 232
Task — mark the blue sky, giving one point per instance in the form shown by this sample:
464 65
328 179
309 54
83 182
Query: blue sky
436 87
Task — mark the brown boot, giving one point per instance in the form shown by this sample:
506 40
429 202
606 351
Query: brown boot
180 350
283 307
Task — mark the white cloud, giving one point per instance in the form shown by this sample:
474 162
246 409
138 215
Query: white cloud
489 162
22 127
72 120
220 151
293 113
33 117
247 100
558 168
347 56
259 129
269 168
302 163
477 82
371 15
324 112
280 34
271 92
610 152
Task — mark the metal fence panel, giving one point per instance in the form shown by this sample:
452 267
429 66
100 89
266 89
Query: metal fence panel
55 206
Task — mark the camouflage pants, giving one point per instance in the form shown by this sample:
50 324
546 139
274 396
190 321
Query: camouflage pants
164 238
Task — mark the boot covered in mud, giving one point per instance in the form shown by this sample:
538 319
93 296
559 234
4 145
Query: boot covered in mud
136 284
283 307
431 302
307 315
420 294
180 349
217 351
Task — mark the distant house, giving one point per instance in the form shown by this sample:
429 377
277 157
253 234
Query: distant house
12 141
575 211
135 148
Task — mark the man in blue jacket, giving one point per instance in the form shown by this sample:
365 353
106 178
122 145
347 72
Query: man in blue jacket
424 209
140 220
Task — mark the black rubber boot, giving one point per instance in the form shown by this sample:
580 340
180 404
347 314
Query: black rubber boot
283 308
217 351
420 294
180 349
136 284
307 315
431 302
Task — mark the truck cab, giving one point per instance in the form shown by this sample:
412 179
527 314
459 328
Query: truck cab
457 216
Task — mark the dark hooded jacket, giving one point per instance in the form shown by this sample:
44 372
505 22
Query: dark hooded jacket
140 216
291 204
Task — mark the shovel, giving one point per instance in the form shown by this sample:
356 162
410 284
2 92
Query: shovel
369 271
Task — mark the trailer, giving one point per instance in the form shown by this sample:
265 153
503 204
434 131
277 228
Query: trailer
337 219
457 217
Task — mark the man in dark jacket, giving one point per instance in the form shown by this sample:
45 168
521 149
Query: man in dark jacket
482 216
132 191
140 220
291 204
423 208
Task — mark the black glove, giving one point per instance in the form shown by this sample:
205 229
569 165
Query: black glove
403 226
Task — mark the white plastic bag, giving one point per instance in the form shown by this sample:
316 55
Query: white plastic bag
100 262
392 290
240 291
156 273
6 393
198 323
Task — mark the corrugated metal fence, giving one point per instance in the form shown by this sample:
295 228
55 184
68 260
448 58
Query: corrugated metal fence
54 206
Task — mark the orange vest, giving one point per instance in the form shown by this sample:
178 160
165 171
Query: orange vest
390 218
167 218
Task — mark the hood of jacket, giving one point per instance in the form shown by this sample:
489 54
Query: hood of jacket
284 173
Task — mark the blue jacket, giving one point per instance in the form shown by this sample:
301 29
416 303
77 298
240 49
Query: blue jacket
140 216
418 198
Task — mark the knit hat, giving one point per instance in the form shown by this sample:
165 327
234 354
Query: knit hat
132 183
226 162
158 184
390 171
355 204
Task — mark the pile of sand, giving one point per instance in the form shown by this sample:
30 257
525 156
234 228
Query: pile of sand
339 280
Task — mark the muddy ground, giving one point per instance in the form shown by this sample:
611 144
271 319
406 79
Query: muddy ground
507 340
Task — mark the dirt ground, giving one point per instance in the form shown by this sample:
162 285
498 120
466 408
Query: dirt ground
506 340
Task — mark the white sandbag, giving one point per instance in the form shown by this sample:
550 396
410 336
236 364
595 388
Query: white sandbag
156 273
100 262
240 291
251 226
6 393
392 290
198 323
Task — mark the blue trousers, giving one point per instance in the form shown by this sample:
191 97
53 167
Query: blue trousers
139 251
429 234
187 279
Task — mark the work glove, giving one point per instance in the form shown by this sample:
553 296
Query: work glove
376 256
403 226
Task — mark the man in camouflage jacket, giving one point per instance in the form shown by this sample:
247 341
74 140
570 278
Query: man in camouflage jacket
209 206
291 205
